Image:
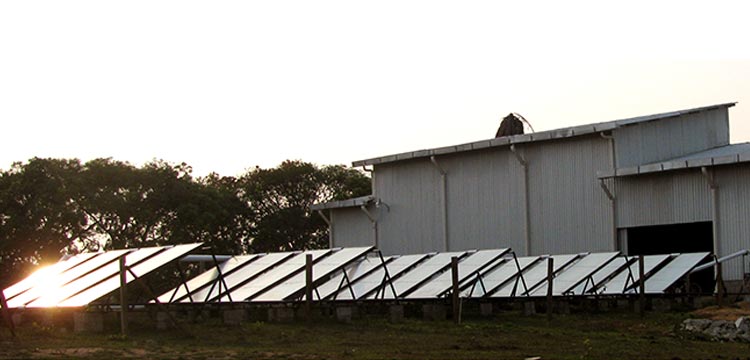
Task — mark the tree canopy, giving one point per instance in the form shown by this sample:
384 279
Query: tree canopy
54 206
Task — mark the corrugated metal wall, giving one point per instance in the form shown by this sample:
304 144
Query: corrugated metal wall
662 198
734 214
684 196
413 192
351 228
569 211
655 141
485 200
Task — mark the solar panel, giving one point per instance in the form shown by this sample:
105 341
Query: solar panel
205 279
41 277
295 286
421 273
577 272
354 272
369 286
138 267
535 275
498 276
240 276
617 284
602 275
55 288
673 271
273 277
467 267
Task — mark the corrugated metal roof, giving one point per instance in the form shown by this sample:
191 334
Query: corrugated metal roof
535 137
729 154
355 202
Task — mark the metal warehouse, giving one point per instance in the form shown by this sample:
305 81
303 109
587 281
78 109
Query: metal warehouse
654 184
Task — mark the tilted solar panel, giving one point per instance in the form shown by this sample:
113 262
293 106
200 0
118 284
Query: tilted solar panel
273 277
467 267
295 286
673 271
576 272
140 268
205 279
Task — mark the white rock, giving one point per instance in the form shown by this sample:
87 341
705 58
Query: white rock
743 325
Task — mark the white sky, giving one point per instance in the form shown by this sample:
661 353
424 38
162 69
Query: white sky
227 85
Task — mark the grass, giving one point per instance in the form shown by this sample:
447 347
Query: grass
613 335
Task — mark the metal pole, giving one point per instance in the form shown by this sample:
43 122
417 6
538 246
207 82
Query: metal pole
456 297
123 298
550 278
642 286
444 200
158 303
308 285
6 314
719 286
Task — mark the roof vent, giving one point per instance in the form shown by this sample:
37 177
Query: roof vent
512 125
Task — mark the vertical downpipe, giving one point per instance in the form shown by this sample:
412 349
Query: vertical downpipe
369 216
330 227
612 203
710 177
444 198
526 216
374 221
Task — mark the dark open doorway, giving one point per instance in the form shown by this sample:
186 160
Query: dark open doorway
675 238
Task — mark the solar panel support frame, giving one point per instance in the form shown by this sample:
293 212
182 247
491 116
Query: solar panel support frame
350 284
183 279
479 278
518 277
386 278
221 277
6 314
318 282
630 281
155 297
596 288
123 297
247 280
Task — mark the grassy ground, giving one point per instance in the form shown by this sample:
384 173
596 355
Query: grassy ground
614 335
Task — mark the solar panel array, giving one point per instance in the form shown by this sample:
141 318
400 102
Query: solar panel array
357 274
85 278
362 274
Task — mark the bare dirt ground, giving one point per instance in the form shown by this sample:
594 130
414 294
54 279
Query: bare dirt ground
731 312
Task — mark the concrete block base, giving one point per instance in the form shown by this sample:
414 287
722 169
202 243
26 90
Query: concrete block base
562 307
198 315
434 312
88 322
661 305
163 322
17 319
344 314
624 304
396 313
486 309
528 308
281 314
234 316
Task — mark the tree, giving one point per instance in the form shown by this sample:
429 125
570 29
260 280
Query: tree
52 206
37 219
280 200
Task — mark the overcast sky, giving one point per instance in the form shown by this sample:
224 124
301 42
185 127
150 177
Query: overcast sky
228 85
